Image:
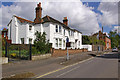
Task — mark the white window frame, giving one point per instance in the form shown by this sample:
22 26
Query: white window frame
30 42
22 41
56 29
60 42
30 27
56 42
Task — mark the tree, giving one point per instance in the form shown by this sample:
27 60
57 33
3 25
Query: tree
114 39
85 39
92 40
41 44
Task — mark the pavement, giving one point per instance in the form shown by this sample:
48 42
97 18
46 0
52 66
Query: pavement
59 67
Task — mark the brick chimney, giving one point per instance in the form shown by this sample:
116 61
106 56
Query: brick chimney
65 21
38 18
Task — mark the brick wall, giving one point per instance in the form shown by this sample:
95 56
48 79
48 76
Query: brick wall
60 52
98 47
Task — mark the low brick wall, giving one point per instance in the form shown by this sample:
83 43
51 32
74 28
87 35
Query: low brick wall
60 52
38 57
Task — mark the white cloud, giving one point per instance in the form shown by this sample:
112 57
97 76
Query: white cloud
110 13
80 16
116 29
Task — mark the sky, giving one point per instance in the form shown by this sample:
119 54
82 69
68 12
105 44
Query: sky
87 17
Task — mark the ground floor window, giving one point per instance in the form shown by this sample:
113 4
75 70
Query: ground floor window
22 40
72 44
56 42
30 40
79 43
60 42
64 43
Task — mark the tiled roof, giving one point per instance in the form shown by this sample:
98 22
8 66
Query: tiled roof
50 19
22 20
45 19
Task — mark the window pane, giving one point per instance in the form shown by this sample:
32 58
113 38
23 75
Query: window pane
30 40
60 29
64 43
30 27
60 42
56 28
22 40
56 43
64 31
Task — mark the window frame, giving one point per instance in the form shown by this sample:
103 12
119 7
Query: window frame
56 29
56 42
22 41
60 42
30 27
31 40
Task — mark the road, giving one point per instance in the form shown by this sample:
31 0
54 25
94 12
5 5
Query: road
104 66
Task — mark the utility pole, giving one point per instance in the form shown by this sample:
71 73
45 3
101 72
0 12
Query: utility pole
102 38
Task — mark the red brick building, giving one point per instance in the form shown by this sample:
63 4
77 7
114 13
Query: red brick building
102 36
5 35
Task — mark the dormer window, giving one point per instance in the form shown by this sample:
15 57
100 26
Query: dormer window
30 27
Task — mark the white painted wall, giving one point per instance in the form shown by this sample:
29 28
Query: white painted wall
21 30
89 47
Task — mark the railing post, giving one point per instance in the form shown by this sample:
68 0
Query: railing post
30 52
19 52
6 48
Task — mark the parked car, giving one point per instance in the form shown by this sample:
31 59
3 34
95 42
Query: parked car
115 50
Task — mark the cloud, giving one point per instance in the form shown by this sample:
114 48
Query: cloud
80 17
109 15
116 29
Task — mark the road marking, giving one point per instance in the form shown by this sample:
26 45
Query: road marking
68 71
64 68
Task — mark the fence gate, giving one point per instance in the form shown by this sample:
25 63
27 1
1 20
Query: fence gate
16 52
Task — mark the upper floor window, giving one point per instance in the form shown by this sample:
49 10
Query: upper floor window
22 40
64 31
72 33
69 32
60 29
30 27
56 28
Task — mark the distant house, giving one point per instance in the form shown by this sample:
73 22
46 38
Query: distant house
105 38
22 31
5 34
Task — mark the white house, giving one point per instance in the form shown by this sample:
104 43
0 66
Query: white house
22 31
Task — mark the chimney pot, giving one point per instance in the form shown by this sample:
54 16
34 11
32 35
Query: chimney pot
39 5
65 18
65 21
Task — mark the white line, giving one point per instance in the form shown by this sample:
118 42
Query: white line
67 71
64 68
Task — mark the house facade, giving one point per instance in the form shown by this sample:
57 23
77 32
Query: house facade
22 31
102 36
5 35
